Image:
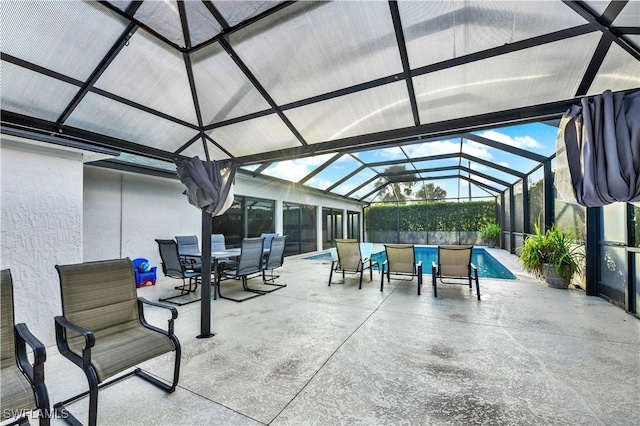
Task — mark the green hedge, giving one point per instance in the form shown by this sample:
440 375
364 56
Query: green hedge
433 216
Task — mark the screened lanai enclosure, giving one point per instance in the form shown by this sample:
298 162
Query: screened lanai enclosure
381 102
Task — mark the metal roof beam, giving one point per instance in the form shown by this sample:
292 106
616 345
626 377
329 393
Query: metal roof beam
602 24
103 65
493 165
321 167
358 188
39 126
346 178
504 147
431 130
404 57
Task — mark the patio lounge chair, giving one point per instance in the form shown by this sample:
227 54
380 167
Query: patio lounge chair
353 258
103 330
454 265
174 266
274 259
401 261
22 383
250 262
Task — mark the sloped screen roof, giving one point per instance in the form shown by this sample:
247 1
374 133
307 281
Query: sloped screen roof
326 94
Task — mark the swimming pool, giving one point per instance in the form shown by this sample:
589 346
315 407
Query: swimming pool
488 266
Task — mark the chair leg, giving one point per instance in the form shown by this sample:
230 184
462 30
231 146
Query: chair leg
245 286
419 279
477 287
239 300
361 274
434 278
272 279
382 277
334 267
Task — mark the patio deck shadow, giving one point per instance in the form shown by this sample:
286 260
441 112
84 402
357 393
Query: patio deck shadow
310 354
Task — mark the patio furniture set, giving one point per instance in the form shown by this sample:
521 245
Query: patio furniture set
454 265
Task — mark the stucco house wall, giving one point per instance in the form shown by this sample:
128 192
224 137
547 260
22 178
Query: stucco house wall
41 226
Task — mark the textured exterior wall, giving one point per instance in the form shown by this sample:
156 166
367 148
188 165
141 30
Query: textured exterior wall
41 226
124 213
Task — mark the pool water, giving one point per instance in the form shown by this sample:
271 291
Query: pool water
488 266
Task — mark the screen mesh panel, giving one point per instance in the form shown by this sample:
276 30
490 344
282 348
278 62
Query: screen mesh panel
268 133
163 17
202 25
296 169
618 71
224 91
39 32
29 93
382 108
437 31
149 72
294 52
533 76
102 115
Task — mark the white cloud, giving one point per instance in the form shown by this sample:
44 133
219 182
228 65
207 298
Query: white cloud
319 183
477 150
289 170
432 148
525 142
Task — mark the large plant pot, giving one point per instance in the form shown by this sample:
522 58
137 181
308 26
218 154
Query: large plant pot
552 278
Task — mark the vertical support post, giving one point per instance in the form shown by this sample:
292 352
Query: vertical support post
501 219
526 213
205 300
594 226
549 201
512 221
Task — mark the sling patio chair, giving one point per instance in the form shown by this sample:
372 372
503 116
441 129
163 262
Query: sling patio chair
188 248
22 383
352 258
249 262
274 259
267 239
401 261
102 329
174 266
455 266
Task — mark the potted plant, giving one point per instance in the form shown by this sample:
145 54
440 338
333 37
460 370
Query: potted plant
491 234
551 256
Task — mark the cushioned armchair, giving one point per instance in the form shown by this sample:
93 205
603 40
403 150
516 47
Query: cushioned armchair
103 330
144 272
22 382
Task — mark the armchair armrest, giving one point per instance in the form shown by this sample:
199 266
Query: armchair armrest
174 314
434 267
473 269
35 371
419 267
63 346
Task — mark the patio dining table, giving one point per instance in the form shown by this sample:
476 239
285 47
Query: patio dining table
216 257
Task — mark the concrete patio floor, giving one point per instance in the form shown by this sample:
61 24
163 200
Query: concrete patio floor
310 354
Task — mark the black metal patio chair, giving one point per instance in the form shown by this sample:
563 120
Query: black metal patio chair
102 329
21 382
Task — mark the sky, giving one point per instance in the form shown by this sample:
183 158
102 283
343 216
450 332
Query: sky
538 138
